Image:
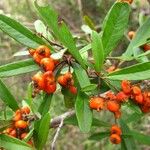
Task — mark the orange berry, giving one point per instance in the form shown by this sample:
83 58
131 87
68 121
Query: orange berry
117 114
110 95
97 103
146 47
62 81
115 129
13 133
49 77
21 124
47 64
136 90
121 97
23 135
18 116
126 86
25 110
73 89
139 99
113 106
8 130
115 139
111 69
43 51
37 58
30 142
38 81
31 51
131 35
50 88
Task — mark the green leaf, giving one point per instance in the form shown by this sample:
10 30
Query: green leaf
83 112
19 32
128 141
17 68
60 30
141 138
137 40
43 131
29 135
45 105
82 76
99 136
97 50
7 97
89 22
114 26
136 72
5 124
134 117
10 143
85 49
90 87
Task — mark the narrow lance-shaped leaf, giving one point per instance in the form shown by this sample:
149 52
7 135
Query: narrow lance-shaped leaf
97 50
43 131
7 97
114 26
10 143
99 136
60 30
140 38
83 112
19 32
136 72
17 68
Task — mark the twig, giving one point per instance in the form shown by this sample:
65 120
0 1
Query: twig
59 120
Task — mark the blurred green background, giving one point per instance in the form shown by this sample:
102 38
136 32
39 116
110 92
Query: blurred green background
72 12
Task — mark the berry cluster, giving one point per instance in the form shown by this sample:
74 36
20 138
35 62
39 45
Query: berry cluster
46 81
20 124
66 81
115 134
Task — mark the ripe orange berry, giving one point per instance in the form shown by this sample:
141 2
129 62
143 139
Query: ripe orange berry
121 97
18 116
73 89
146 47
47 64
21 124
8 130
113 106
38 81
25 110
13 133
115 129
43 51
97 103
139 99
126 86
37 58
31 51
23 135
49 77
50 88
111 69
110 95
136 90
115 139
62 81
30 142
131 35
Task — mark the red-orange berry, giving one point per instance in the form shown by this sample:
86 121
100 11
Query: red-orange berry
21 124
31 51
115 139
115 129
37 58
126 86
117 114
13 133
43 51
25 110
47 64
146 47
30 142
23 135
111 69
136 90
18 116
131 34
62 81
121 97
110 95
97 103
8 130
113 106
139 99
38 81
50 88
73 89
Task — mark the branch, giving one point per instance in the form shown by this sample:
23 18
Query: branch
59 120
